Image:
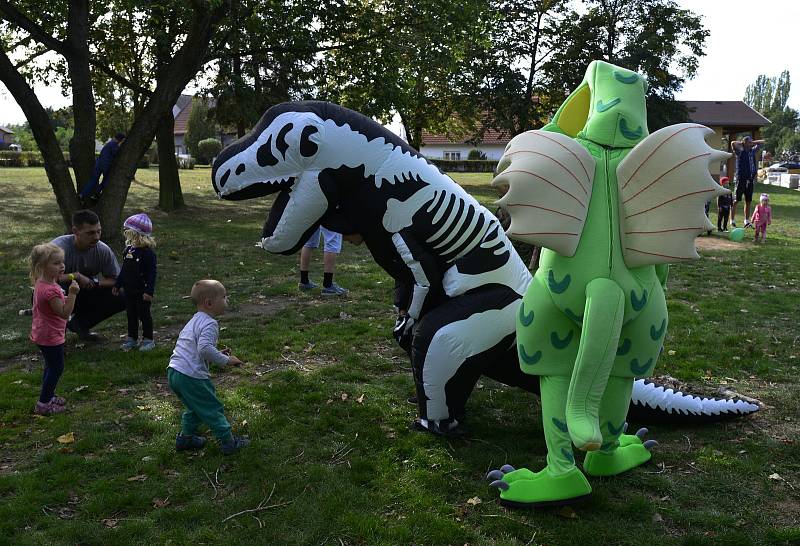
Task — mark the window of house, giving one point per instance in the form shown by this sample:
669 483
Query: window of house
453 156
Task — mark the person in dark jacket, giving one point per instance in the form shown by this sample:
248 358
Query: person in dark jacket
102 166
138 280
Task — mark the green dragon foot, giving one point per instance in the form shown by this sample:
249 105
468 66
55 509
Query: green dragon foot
632 452
525 489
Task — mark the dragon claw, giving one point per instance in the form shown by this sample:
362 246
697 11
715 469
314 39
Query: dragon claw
495 475
642 432
500 484
506 468
649 444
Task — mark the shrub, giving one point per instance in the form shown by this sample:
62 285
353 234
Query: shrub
476 155
465 165
9 158
207 150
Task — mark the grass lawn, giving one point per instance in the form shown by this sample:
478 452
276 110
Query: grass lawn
322 396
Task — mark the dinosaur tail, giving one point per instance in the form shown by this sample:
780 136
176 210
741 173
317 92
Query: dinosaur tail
653 403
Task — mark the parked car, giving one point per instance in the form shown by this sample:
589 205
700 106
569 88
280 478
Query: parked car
791 167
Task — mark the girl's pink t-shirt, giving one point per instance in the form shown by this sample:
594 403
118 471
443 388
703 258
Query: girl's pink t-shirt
47 327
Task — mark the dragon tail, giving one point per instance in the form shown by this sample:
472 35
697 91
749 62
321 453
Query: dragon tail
651 402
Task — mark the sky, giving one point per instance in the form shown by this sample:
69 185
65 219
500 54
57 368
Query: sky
747 39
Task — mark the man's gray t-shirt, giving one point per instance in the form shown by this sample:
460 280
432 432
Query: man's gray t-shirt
90 262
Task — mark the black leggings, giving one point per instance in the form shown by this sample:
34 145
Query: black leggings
722 218
138 310
53 368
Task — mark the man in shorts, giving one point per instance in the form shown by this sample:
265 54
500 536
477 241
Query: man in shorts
332 247
746 170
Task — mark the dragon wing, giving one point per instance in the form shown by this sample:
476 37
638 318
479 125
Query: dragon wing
549 179
664 183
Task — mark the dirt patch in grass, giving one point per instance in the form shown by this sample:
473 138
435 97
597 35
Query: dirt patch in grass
719 243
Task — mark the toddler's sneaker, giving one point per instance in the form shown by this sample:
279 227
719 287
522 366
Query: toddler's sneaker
184 443
48 408
129 344
307 286
234 444
147 345
334 290
58 400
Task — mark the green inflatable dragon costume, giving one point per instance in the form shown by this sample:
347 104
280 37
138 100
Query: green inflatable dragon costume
612 207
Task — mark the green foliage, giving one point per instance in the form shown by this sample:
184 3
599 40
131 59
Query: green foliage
24 137
199 127
24 158
769 96
207 150
186 163
476 155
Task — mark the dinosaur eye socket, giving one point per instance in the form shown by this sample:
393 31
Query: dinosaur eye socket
264 154
280 141
307 147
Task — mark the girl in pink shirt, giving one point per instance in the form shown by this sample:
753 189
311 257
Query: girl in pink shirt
762 217
50 313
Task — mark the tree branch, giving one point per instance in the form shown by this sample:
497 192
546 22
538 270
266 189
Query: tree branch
14 16
31 57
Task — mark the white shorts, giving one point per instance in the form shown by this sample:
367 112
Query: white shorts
333 240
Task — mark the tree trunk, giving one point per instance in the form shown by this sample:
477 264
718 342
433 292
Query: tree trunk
183 66
81 146
170 196
54 164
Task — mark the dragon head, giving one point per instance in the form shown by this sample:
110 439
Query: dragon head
608 107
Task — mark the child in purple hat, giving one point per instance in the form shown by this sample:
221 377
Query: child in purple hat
137 280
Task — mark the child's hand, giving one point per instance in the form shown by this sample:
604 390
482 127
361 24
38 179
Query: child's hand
233 361
115 291
226 351
74 287
147 297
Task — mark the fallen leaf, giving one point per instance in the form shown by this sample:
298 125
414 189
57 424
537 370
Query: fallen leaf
67 438
81 388
345 396
360 399
148 458
671 352
17 382
110 522
160 503
142 408
775 476
657 518
138 478
244 423
474 501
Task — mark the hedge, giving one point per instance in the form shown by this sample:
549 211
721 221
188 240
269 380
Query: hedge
465 165
34 159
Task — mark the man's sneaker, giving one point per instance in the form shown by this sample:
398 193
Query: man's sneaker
748 224
48 409
334 290
83 334
234 444
733 224
184 443
147 345
129 344
307 286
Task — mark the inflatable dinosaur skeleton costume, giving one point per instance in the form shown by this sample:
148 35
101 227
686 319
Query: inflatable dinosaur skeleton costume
611 206
335 167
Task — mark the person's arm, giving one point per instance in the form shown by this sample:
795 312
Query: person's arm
63 308
150 268
207 345
424 271
109 267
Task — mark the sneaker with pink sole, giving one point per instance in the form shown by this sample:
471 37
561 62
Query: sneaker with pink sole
48 409
58 400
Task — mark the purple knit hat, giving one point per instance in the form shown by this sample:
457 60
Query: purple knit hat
140 223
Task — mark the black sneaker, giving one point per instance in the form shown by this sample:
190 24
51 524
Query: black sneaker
184 443
234 444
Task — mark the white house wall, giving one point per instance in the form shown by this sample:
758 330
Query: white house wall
436 151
